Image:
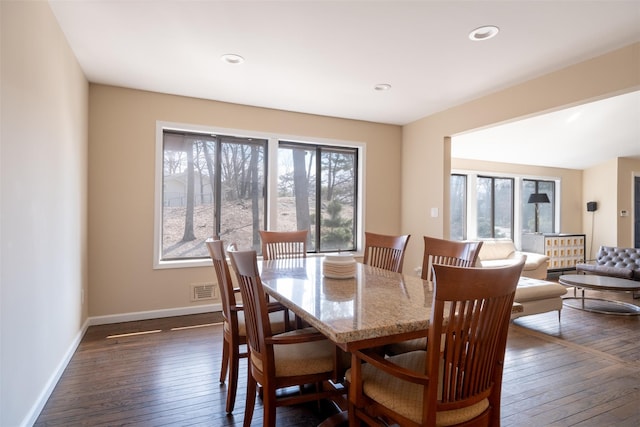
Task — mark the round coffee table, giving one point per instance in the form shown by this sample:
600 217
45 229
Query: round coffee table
600 283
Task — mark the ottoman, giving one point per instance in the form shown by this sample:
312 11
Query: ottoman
538 296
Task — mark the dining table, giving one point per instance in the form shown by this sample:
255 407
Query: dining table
372 308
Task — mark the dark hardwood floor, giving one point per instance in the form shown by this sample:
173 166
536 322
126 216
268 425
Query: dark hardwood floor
583 371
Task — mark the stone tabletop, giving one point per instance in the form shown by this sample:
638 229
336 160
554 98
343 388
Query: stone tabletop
375 303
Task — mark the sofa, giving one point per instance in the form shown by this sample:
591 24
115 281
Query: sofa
615 262
534 294
499 252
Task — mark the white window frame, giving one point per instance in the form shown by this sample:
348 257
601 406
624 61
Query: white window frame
272 181
472 214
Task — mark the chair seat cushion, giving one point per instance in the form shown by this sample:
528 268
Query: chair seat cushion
307 358
276 318
406 346
407 398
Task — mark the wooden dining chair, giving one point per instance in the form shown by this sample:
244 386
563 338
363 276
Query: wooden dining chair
284 244
448 252
438 251
384 251
276 361
234 328
458 379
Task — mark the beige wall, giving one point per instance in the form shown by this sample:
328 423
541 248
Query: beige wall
599 186
425 168
43 197
609 228
121 187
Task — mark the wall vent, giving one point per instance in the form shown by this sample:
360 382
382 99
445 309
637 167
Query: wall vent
202 291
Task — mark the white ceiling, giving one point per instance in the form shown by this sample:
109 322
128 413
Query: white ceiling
575 138
325 57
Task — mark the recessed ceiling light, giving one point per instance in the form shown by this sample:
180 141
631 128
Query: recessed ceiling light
382 86
484 33
232 58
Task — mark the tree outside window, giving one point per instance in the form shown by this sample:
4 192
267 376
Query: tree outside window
458 208
546 213
317 191
215 185
212 185
495 207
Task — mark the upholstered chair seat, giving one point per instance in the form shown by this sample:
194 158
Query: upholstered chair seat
306 358
407 346
407 398
277 318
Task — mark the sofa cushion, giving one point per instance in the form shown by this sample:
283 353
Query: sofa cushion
615 262
611 256
531 263
492 263
496 250
533 260
603 270
501 252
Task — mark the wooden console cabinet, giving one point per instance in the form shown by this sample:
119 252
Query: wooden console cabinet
564 250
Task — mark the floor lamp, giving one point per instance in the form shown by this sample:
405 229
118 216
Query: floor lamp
538 198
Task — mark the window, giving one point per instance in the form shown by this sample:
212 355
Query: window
545 223
495 207
458 207
211 185
212 182
484 206
318 182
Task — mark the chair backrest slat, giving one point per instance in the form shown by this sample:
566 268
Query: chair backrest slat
255 303
225 284
284 244
384 251
448 252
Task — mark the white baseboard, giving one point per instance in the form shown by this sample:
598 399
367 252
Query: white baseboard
34 413
32 417
153 314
